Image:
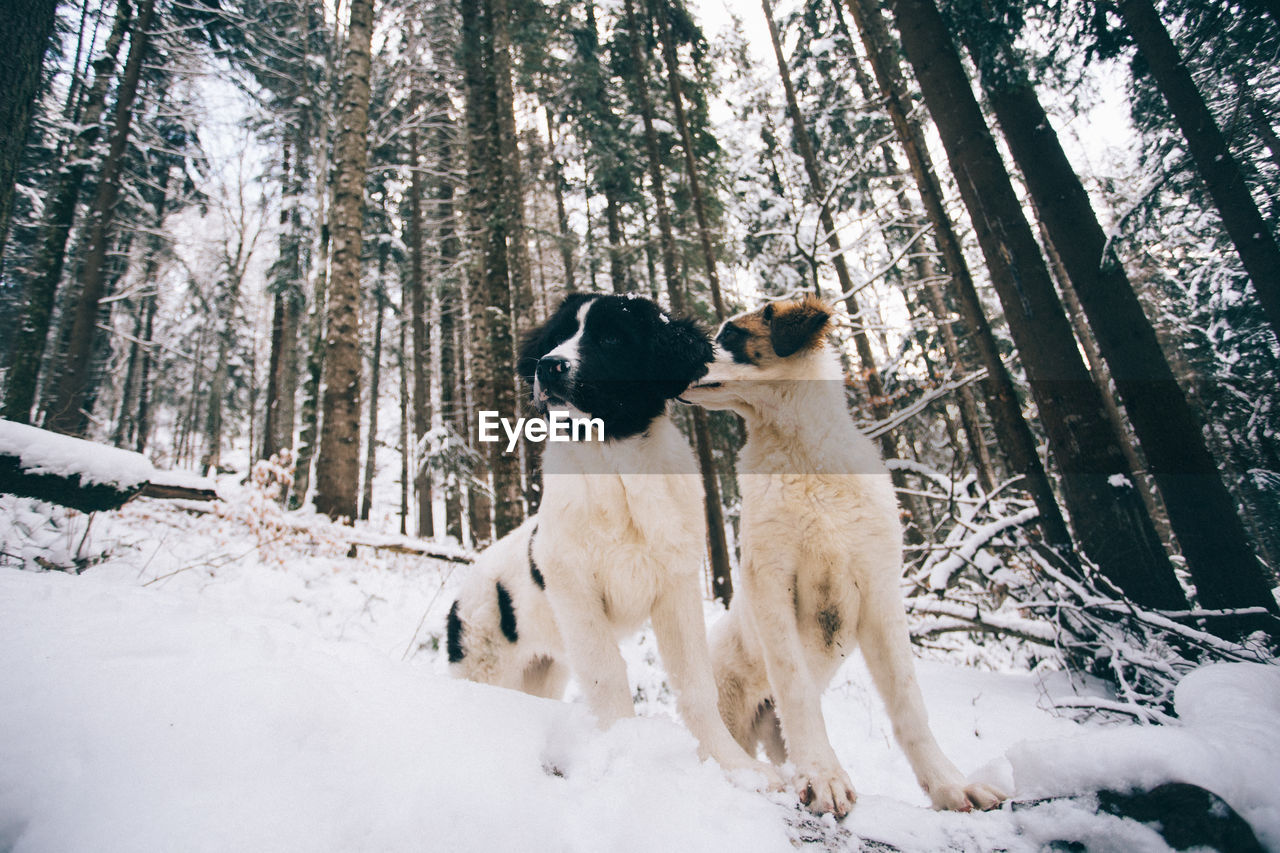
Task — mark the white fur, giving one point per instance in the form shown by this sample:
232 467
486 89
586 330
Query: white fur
821 566
620 538
534 664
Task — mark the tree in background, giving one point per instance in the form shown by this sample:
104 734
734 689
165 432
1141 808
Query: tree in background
22 48
338 462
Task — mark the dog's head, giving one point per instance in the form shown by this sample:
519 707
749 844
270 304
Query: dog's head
618 358
776 343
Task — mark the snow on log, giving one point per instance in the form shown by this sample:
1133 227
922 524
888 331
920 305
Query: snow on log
83 475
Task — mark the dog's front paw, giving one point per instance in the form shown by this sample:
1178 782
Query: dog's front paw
825 790
961 797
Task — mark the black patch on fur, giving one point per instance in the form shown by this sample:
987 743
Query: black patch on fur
734 341
506 614
632 358
454 632
538 579
829 623
795 328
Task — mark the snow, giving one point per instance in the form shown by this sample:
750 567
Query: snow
212 684
43 452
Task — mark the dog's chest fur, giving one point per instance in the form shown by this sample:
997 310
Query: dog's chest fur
624 518
817 485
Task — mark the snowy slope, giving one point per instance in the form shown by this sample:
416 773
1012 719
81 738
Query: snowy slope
215 683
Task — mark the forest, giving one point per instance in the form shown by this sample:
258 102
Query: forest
294 246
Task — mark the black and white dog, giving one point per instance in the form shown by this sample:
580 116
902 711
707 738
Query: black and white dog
620 533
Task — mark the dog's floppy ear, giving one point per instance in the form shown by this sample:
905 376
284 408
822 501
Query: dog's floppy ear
794 326
683 350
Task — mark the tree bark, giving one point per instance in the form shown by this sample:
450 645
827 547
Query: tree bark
450 306
1107 514
555 177
870 374
1254 240
672 60
29 346
491 299
406 452
717 547
375 380
23 40
421 336
67 415
1201 510
1017 442
927 277
338 462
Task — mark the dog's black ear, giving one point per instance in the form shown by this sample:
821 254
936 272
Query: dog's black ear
683 350
794 326
541 339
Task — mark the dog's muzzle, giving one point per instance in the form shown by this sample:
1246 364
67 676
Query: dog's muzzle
550 380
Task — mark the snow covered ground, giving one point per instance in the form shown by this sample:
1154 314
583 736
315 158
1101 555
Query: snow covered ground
221 682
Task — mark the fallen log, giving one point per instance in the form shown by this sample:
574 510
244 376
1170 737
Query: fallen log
85 475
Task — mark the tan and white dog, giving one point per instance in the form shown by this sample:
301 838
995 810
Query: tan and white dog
821 561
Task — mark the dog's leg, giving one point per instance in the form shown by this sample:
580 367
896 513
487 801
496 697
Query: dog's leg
883 636
820 780
591 647
768 731
682 642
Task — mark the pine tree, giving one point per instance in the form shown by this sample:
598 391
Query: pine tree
67 410
23 40
1107 515
29 348
338 460
1254 239
1201 510
1017 442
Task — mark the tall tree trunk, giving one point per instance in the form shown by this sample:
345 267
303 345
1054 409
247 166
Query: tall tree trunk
1107 514
66 414
287 301
421 335
1201 510
142 421
492 327
450 307
139 371
375 381
870 374
927 279
29 346
309 429
406 429
661 10
338 462
23 39
555 177
1249 231
1017 443
603 148
818 195
717 547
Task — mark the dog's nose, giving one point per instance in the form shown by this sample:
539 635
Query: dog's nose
551 367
